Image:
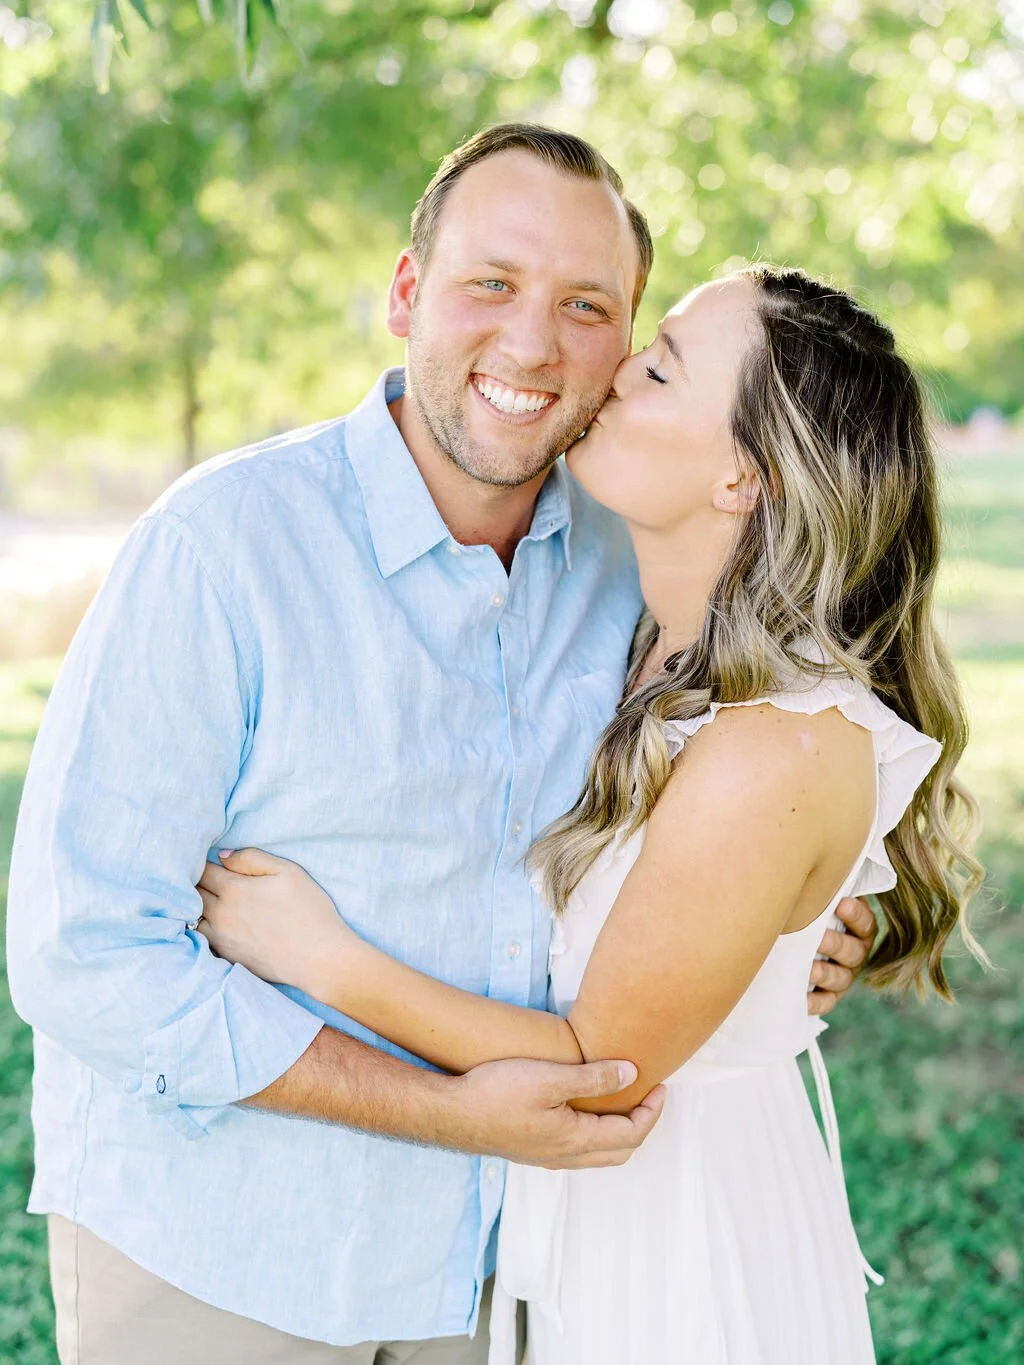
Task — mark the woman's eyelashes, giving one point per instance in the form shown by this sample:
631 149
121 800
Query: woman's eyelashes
652 373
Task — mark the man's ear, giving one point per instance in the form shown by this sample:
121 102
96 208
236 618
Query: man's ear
402 294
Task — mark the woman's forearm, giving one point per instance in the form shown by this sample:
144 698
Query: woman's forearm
452 1028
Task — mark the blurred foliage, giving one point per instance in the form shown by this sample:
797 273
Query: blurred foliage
200 253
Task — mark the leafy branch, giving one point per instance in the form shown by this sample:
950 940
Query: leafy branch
109 30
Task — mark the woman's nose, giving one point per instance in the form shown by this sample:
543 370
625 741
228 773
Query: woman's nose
622 378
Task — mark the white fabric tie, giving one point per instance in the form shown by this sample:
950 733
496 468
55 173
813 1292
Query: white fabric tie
831 1125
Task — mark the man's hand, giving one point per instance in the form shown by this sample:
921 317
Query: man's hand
845 956
521 1110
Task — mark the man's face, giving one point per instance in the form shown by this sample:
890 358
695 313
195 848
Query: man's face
517 324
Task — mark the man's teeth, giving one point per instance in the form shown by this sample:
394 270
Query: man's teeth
512 400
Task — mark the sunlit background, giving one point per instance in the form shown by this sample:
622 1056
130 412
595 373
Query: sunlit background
200 205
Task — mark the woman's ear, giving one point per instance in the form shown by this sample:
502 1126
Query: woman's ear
402 294
738 494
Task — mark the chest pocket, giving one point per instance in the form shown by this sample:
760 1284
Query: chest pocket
595 697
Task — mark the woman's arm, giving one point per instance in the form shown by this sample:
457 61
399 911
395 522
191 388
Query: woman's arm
751 838
750 835
270 915
452 1028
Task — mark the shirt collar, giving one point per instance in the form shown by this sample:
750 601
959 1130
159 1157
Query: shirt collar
403 520
553 512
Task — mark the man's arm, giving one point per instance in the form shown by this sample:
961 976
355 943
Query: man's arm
516 1109
133 768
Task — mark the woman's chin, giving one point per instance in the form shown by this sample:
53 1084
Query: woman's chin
584 463
576 455
576 462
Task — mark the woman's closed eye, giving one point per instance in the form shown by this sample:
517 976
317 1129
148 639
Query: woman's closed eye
652 373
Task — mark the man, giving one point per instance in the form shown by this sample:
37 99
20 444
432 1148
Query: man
383 647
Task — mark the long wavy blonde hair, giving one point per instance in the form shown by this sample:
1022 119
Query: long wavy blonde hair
842 550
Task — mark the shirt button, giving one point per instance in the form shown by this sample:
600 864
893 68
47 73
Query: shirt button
161 1084
517 828
513 711
497 600
514 949
490 1170
453 549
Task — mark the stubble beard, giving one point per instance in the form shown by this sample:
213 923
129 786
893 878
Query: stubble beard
439 404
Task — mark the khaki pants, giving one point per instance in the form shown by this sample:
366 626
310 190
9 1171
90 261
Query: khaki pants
112 1312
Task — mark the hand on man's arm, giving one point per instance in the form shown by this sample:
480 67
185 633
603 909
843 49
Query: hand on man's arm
844 956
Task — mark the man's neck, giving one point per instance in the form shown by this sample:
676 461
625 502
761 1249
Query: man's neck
475 513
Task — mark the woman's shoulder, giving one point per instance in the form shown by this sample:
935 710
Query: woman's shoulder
787 787
808 705
794 740
814 691
818 744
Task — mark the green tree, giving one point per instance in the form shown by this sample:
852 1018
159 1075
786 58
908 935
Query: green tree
195 241
186 214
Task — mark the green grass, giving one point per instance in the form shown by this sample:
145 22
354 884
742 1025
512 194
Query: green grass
26 1313
930 1097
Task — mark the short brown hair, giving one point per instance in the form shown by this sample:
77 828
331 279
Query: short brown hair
561 150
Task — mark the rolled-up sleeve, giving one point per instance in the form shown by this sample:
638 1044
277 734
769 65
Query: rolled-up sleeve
142 744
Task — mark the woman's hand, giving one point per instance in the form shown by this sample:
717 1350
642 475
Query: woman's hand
271 916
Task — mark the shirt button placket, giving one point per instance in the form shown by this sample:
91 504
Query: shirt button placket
513 921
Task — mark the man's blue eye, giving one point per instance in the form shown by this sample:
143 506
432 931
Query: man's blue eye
494 285
583 306
652 373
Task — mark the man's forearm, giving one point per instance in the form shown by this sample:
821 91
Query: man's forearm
341 1080
518 1109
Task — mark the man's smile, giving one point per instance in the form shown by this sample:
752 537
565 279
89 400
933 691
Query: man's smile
511 401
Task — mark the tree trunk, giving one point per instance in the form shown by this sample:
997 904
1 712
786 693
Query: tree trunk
191 406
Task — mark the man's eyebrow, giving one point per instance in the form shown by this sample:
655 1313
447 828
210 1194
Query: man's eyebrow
673 349
593 287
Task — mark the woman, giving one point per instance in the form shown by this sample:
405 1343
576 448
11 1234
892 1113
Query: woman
788 736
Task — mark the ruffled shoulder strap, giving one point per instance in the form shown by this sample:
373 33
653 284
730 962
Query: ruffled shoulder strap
904 757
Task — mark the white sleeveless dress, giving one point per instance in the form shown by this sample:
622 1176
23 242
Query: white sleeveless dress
726 1239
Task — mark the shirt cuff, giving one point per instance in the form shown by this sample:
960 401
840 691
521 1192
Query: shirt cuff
230 1046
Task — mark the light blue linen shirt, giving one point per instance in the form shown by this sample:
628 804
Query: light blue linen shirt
292 652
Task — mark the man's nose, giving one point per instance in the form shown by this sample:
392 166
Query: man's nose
530 337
